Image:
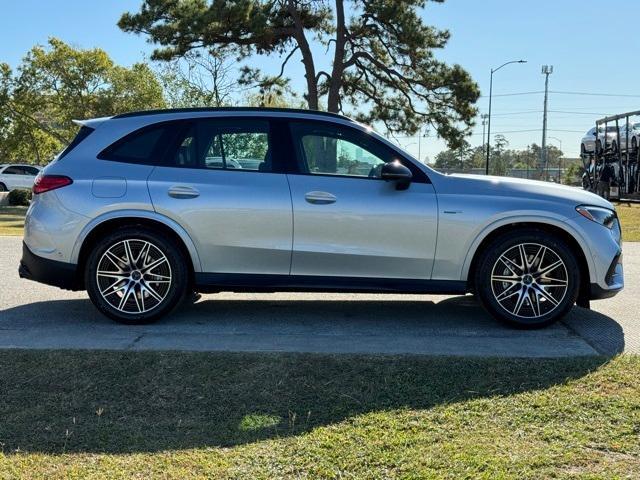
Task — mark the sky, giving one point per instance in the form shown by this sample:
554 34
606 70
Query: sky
592 45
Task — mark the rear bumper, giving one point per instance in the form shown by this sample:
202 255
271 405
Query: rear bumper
49 272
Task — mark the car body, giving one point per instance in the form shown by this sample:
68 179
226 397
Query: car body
634 136
332 206
17 175
589 142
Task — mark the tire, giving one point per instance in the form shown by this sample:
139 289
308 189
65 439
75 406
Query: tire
3 187
598 147
634 144
583 150
614 147
160 284
527 300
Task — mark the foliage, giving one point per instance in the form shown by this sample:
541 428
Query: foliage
384 66
198 79
59 83
503 159
20 197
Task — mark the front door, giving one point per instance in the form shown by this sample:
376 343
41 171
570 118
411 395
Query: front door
347 221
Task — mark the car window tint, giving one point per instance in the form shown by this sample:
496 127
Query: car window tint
13 171
337 151
230 145
31 171
139 147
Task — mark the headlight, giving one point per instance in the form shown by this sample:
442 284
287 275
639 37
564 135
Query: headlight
605 217
600 215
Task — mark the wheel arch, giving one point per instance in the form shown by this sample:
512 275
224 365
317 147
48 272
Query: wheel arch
107 223
572 239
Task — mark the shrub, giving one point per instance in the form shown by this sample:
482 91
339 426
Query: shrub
20 196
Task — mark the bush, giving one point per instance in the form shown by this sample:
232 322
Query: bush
20 196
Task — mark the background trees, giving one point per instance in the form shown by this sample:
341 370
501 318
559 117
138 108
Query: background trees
383 67
59 83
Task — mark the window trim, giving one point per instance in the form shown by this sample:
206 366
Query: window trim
298 165
173 144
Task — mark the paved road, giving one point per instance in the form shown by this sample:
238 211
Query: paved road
37 316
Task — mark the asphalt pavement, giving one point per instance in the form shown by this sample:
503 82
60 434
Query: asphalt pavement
37 316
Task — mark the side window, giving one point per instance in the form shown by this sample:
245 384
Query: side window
228 145
31 171
337 151
137 147
13 171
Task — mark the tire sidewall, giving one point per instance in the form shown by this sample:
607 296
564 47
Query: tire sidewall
504 243
176 260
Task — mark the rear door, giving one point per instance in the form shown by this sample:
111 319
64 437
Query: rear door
16 177
222 181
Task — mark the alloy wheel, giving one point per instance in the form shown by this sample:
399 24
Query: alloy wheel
134 276
529 280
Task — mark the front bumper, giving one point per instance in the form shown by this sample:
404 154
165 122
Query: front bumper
50 272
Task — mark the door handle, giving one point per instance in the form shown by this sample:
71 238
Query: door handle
320 198
179 191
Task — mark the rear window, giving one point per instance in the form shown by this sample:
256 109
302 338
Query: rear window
137 147
83 133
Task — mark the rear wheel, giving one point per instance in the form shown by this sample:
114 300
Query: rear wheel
136 275
3 187
528 279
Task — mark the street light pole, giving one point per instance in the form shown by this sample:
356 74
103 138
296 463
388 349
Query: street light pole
559 159
493 70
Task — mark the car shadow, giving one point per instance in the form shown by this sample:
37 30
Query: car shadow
139 401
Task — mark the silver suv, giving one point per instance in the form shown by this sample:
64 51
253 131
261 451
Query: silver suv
145 208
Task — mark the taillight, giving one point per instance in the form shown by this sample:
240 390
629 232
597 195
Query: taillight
45 183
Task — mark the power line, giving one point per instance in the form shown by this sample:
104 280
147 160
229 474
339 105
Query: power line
595 94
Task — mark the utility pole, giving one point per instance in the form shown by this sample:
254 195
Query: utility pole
484 118
546 71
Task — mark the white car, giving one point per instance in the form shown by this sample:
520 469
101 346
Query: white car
590 143
17 176
634 136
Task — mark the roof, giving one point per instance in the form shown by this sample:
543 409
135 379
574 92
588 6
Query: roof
142 113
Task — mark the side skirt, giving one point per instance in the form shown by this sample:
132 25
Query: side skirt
216 282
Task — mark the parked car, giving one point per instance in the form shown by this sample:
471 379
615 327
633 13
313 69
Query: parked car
590 143
17 176
135 214
634 137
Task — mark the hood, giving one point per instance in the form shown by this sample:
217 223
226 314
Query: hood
518 187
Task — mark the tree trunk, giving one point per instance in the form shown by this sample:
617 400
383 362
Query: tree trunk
333 101
307 58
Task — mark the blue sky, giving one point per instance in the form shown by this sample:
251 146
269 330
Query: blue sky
485 34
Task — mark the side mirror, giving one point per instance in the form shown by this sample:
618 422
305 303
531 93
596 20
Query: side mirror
595 133
395 171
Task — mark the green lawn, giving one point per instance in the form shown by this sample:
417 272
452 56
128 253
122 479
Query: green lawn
12 220
629 214
185 415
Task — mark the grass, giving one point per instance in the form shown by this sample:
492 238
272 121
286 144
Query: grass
12 220
185 415
629 214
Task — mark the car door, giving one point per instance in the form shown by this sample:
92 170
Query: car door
347 221
221 182
14 177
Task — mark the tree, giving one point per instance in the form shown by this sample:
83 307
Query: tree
383 67
198 80
55 85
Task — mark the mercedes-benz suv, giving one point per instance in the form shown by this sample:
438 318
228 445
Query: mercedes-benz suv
142 209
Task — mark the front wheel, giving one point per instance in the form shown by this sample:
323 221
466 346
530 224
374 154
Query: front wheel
136 275
528 279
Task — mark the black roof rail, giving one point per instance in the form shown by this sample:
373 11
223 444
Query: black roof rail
160 111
